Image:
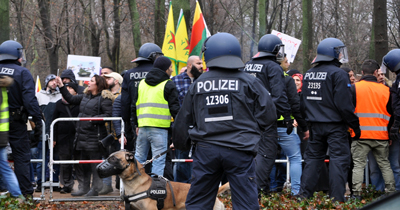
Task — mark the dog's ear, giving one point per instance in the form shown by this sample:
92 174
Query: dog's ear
130 156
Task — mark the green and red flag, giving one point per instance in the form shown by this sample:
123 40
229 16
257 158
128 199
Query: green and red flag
199 32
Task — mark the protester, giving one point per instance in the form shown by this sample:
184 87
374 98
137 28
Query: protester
351 75
194 68
265 66
95 102
64 136
68 76
156 101
22 102
324 86
47 98
225 124
106 70
373 107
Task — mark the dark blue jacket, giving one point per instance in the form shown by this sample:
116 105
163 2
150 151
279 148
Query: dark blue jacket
271 75
116 112
22 92
129 87
227 108
327 96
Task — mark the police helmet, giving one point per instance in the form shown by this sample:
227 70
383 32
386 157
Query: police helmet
391 61
270 45
148 52
11 50
222 50
330 49
123 72
48 79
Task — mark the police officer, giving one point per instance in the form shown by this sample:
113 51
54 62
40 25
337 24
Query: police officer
148 53
330 111
224 113
391 61
22 102
265 66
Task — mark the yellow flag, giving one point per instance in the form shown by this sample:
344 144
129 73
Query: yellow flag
38 86
168 47
182 42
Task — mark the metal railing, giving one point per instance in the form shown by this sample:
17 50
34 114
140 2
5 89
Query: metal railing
52 162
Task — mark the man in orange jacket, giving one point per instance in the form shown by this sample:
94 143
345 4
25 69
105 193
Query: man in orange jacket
373 107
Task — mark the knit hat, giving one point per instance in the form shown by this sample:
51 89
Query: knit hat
73 85
48 79
162 63
293 71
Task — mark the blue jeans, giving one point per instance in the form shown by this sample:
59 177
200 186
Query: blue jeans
8 175
157 138
375 172
278 174
290 144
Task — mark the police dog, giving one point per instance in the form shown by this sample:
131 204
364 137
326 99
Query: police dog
124 164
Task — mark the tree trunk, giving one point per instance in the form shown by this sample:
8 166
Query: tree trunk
4 20
50 43
113 52
135 17
159 24
380 29
253 28
307 34
262 18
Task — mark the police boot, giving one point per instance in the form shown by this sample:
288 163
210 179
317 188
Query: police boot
79 193
92 192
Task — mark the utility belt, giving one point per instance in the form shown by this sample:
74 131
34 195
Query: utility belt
18 115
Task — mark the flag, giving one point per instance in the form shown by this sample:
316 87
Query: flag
38 86
168 47
182 42
199 32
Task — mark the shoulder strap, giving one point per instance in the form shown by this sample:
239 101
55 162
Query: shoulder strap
70 115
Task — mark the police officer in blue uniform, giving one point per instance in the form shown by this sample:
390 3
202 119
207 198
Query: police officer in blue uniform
22 103
224 113
391 61
265 66
329 110
148 53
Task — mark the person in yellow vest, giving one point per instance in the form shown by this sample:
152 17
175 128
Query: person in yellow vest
373 107
156 101
6 172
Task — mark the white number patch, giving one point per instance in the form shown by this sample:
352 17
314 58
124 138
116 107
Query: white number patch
217 99
314 85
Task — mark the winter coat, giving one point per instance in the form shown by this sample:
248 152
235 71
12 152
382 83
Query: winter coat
65 131
88 133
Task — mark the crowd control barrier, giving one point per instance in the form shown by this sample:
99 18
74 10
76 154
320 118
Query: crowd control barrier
52 162
43 161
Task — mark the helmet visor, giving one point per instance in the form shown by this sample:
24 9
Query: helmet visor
383 67
343 55
281 52
21 52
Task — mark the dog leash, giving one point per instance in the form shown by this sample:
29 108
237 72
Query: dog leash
155 157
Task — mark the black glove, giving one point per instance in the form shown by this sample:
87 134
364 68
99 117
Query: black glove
357 132
38 131
394 131
289 126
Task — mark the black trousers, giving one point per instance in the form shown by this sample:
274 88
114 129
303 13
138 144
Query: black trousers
265 159
322 137
21 153
86 171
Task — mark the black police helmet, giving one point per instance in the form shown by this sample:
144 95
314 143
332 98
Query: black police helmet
148 52
48 79
124 72
391 61
222 50
10 50
328 50
269 45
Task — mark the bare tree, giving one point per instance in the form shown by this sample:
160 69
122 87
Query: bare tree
4 21
307 34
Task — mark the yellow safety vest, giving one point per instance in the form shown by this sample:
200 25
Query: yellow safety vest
4 116
152 109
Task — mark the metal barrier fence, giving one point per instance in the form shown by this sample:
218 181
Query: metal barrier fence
43 161
51 161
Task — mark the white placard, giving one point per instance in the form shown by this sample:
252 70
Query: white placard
291 44
84 67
